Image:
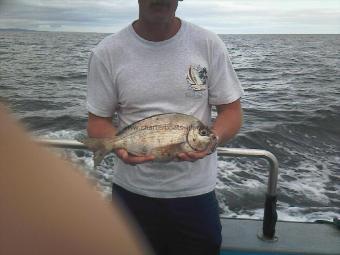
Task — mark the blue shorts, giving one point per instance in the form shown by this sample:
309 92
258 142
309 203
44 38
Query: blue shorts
175 226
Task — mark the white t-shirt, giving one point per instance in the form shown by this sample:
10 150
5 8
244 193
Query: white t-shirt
136 78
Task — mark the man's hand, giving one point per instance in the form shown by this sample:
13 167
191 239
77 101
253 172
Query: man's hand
131 159
192 156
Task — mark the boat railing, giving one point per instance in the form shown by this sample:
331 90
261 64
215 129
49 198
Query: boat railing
270 214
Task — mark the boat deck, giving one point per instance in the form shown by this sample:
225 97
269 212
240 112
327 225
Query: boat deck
240 238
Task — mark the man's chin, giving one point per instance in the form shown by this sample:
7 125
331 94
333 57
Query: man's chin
159 18
160 10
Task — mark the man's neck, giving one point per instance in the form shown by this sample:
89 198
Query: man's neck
157 31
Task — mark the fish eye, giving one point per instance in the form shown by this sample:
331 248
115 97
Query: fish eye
203 132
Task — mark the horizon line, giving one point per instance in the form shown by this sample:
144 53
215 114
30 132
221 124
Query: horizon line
60 31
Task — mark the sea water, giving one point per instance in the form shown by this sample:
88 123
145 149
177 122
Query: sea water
291 108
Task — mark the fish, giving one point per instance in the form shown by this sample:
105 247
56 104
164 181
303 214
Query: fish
162 136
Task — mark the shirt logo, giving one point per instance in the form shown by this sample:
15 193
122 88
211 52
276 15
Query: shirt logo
197 78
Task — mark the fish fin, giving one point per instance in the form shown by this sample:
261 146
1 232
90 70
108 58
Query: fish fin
100 147
98 156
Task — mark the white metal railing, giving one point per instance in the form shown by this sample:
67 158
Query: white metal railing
235 152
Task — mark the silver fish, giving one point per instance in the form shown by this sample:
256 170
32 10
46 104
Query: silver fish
161 135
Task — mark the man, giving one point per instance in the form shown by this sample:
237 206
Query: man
161 64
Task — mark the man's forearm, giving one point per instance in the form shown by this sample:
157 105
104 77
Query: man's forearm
228 121
99 127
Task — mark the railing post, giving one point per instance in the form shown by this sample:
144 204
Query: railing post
269 219
270 214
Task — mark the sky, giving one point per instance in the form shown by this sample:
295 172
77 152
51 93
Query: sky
220 16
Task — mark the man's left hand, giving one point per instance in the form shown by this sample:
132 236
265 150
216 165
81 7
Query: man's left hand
192 156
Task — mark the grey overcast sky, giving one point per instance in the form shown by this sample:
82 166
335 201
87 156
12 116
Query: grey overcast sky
220 16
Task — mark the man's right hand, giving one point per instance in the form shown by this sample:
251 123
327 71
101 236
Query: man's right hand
132 159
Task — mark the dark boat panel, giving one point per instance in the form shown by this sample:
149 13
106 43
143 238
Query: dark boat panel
240 237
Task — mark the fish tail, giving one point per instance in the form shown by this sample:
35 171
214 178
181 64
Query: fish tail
100 147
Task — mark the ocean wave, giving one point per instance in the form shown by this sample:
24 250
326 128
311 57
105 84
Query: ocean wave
37 123
257 70
66 77
37 105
